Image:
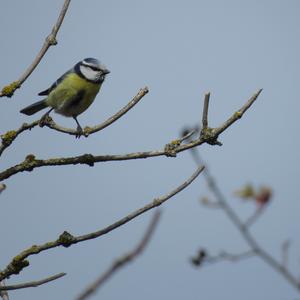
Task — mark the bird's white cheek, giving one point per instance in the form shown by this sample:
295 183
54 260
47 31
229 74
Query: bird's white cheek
89 73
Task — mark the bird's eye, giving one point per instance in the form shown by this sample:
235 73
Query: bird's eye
94 68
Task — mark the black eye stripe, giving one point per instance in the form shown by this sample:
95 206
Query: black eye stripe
92 67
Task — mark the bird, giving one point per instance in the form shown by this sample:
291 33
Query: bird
73 92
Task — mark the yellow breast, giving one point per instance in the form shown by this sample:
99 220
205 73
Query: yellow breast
73 95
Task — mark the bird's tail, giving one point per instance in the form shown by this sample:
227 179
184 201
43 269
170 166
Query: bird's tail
33 108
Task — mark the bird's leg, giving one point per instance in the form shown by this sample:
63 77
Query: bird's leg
79 129
44 119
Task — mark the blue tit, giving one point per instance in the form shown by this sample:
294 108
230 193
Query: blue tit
73 92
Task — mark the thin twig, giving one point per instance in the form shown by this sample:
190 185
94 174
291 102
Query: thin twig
120 262
19 262
205 111
255 216
176 147
30 163
244 230
188 135
210 135
89 130
10 136
9 90
224 255
31 283
238 114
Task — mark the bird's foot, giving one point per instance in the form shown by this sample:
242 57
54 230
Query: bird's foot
79 132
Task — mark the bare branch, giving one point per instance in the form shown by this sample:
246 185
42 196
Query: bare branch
31 162
205 111
188 135
89 130
9 90
171 149
31 283
238 114
244 230
10 136
20 261
223 255
204 258
210 135
120 262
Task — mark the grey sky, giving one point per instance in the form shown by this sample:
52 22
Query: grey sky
180 50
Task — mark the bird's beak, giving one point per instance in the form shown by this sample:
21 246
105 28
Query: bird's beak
106 71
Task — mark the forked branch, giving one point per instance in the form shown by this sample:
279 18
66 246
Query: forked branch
244 229
9 137
208 135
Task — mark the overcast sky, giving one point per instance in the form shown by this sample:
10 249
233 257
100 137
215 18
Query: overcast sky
180 50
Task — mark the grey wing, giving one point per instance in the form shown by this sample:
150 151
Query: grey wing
55 84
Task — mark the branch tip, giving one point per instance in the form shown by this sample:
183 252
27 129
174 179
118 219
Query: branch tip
205 110
9 90
31 283
125 259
